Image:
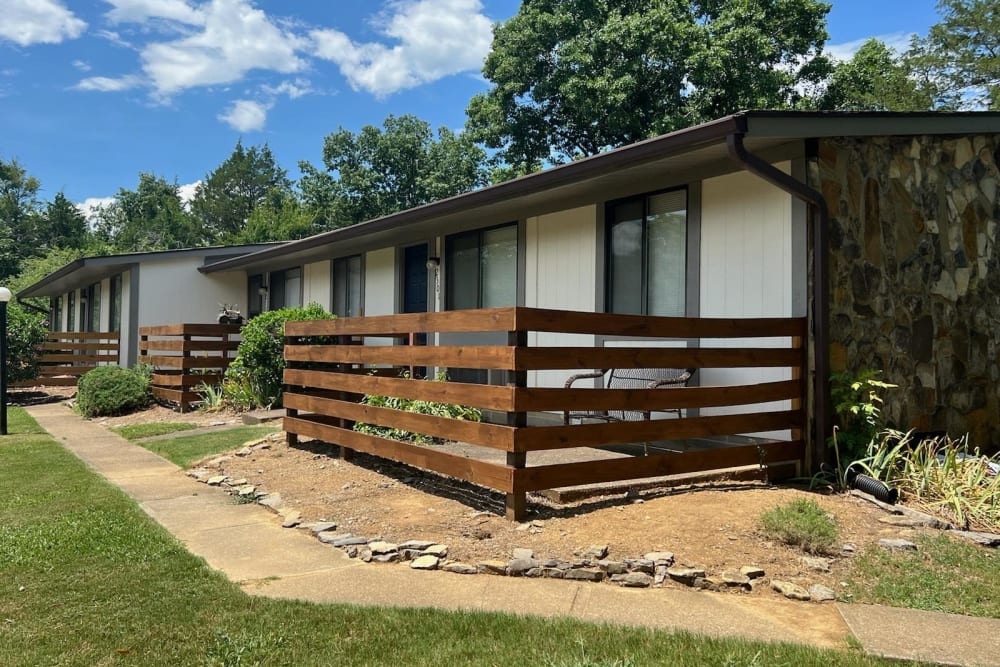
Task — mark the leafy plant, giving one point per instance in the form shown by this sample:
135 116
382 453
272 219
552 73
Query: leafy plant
449 410
25 334
212 397
111 390
801 523
253 379
857 400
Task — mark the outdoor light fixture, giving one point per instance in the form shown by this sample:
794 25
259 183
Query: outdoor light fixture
261 291
433 262
4 298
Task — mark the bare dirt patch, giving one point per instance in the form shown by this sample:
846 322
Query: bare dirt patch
712 526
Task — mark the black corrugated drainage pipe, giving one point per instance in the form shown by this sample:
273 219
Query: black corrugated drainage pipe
821 306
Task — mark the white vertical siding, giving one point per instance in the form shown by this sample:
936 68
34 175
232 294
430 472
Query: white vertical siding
380 282
172 290
746 267
561 272
104 318
316 284
125 335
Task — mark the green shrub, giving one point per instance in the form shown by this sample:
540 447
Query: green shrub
25 334
111 390
801 523
420 407
857 400
260 362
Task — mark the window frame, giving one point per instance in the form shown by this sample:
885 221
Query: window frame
479 233
338 261
115 303
71 311
644 197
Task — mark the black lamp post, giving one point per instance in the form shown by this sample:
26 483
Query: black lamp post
4 298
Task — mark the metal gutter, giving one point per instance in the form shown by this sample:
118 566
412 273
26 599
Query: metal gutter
598 165
821 306
30 306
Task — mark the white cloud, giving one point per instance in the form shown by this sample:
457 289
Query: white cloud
115 38
435 38
187 192
900 41
27 22
105 84
82 65
246 115
140 11
235 39
90 206
294 89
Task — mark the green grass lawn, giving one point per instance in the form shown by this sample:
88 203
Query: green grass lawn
186 449
138 431
943 575
87 578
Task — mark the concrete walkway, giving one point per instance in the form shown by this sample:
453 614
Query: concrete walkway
247 544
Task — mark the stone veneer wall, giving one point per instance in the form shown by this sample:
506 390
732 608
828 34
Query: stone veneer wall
915 274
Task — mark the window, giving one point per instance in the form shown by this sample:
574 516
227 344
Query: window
56 313
255 297
116 303
647 255
284 289
94 307
71 311
347 289
481 268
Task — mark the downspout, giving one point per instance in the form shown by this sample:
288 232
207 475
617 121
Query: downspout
820 215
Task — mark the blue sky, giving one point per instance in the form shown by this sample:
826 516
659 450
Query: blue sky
93 92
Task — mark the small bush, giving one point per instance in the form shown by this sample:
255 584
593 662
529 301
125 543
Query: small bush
25 335
260 362
801 523
111 390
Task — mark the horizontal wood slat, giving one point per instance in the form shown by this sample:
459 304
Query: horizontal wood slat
176 395
566 358
178 380
613 324
51 371
80 346
46 382
590 472
532 399
190 330
78 358
457 356
490 319
478 472
476 433
189 345
538 438
187 362
488 397
81 335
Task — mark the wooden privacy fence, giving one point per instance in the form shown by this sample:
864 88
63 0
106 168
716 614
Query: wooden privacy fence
326 378
186 356
66 355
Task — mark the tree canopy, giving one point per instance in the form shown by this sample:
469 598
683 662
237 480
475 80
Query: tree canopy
151 217
574 77
876 79
379 171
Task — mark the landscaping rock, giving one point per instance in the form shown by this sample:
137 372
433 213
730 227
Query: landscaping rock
685 575
523 553
553 572
790 590
633 580
848 548
584 575
914 520
985 539
418 545
217 480
218 461
817 564
659 575
596 552
382 547
333 538
246 490
347 541
640 565
715 584
321 527
752 571
822 593
493 566
292 519
411 554
199 474
518 566
387 557
897 544
439 550
425 563
271 500
365 555
351 551
735 580
535 572
612 566
660 557
460 568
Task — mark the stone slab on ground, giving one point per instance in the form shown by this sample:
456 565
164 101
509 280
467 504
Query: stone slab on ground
912 634
255 417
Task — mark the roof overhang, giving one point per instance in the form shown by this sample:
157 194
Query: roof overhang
684 154
89 270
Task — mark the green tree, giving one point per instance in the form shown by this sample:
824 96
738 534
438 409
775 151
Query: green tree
63 225
281 218
379 171
20 213
151 217
225 200
572 78
962 54
875 79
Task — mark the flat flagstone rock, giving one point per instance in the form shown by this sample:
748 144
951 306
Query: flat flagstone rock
439 550
821 593
790 590
660 557
321 527
985 539
633 580
685 575
612 566
522 553
519 566
419 545
817 564
272 500
217 480
752 571
292 519
425 563
735 580
596 551
584 575
347 541
897 544
382 547
493 566
460 568
247 490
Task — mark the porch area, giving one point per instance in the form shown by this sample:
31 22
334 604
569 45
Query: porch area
333 364
66 355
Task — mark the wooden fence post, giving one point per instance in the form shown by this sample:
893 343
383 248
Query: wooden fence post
517 498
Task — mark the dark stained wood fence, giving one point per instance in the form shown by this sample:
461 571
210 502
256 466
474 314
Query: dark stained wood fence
66 355
328 374
186 356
